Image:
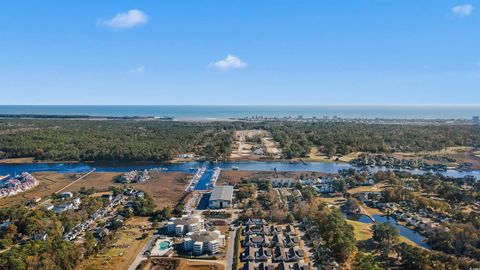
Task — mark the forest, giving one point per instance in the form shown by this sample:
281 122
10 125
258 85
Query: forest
152 140
119 140
343 138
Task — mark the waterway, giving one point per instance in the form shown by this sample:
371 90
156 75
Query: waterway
325 167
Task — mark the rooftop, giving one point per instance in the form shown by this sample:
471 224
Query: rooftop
204 236
187 220
224 193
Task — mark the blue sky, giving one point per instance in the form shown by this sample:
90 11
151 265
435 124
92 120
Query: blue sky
240 52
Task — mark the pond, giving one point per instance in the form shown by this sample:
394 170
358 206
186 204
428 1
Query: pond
406 232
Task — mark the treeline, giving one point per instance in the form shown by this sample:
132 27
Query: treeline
85 140
151 140
343 138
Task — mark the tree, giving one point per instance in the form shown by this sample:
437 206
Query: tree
353 205
386 236
412 257
340 186
365 262
90 243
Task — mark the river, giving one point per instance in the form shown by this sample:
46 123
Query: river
325 167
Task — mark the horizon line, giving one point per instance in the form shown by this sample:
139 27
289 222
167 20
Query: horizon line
269 105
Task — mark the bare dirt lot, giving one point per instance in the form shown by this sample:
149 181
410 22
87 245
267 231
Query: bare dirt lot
255 144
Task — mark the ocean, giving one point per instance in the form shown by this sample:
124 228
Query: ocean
183 112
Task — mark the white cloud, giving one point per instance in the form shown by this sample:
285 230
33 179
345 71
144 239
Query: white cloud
463 10
138 70
230 62
129 19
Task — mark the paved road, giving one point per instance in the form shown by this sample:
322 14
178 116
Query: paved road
140 256
230 250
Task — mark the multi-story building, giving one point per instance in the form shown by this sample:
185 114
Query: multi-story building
184 225
203 242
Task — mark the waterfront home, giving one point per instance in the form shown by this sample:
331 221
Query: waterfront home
282 182
309 181
325 188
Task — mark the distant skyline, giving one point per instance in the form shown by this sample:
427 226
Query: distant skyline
269 52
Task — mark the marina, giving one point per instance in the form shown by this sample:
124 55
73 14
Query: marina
196 177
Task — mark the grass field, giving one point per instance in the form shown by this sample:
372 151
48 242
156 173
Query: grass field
375 188
362 230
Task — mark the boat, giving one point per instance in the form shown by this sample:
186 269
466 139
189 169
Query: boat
235 168
4 177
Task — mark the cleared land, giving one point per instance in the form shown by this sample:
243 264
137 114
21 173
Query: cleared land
246 141
316 156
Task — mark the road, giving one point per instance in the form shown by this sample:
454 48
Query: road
80 178
230 249
140 256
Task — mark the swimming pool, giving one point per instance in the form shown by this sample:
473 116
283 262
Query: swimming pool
164 245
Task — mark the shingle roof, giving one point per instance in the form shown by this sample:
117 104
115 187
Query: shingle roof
224 193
